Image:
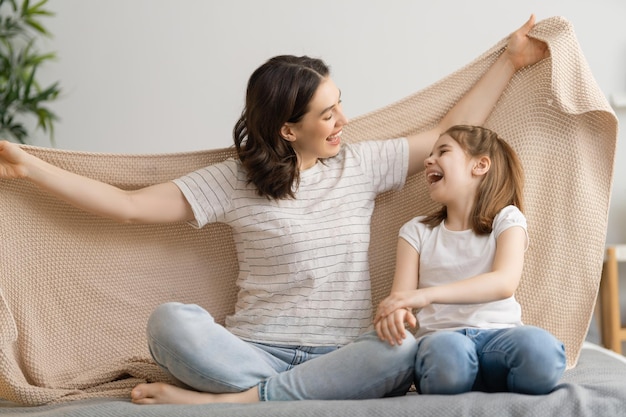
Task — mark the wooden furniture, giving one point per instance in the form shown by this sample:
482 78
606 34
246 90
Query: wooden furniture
613 334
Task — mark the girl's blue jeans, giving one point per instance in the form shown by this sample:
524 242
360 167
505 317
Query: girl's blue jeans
523 359
185 341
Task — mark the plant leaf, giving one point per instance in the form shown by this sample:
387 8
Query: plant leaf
20 93
29 81
36 26
24 10
37 9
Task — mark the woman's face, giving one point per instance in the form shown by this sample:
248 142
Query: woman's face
318 134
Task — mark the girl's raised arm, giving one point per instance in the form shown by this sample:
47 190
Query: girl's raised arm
477 104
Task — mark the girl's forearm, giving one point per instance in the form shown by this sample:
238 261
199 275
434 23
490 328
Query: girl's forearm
482 288
476 105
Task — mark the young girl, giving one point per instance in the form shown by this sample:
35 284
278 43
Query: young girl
460 268
302 230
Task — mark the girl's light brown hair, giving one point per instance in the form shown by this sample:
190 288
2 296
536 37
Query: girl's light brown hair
501 186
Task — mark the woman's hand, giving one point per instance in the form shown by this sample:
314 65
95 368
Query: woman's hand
522 50
392 328
12 161
395 312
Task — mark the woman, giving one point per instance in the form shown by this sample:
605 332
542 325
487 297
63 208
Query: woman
300 205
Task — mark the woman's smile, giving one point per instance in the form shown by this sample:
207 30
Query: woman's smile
335 139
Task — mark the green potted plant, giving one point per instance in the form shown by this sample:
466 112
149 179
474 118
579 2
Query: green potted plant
21 96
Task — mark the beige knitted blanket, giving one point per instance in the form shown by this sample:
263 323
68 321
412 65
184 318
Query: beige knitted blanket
76 290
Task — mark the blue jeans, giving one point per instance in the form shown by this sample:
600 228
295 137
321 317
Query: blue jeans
185 341
523 359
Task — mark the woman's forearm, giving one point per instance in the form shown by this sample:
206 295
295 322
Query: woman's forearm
155 204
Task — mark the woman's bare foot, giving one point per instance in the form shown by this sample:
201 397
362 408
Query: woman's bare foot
160 393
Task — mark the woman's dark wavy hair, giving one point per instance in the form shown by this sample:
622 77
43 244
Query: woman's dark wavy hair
501 186
279 91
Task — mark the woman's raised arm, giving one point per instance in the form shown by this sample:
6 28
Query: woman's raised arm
159 203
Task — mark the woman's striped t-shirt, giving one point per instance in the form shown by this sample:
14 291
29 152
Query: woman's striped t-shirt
303 262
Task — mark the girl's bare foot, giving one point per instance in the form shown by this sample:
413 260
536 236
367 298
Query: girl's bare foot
160 393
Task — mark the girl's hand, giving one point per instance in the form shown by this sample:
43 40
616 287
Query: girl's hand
523 50
401 300
12 161
392 328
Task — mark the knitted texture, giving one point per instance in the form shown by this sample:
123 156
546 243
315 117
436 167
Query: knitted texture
76 290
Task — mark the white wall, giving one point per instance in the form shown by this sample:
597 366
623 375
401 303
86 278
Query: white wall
147 76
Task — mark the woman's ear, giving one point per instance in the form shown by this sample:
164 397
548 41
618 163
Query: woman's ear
482 166
287 132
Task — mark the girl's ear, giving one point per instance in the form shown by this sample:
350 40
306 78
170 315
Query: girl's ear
482 166
287 132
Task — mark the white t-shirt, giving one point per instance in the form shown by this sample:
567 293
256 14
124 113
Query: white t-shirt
447 256
304 272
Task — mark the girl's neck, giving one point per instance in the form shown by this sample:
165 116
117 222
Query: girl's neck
458 218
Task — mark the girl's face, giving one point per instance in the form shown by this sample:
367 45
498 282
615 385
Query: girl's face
450 173
318 134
